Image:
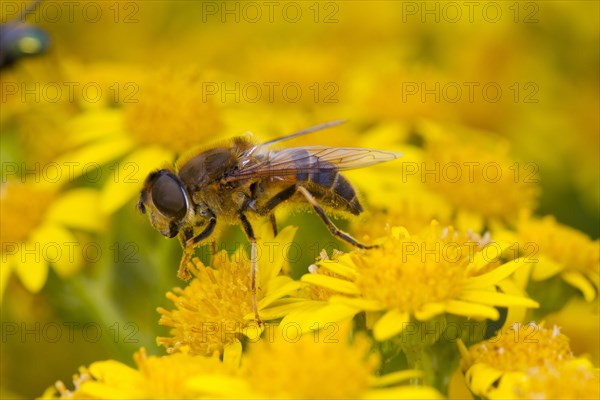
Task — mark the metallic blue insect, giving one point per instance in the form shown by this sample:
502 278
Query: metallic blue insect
19 39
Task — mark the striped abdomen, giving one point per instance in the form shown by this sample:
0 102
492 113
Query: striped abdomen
325 182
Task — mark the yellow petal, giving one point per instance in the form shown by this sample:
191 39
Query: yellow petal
488 254
279 309
95 124
467 220
494 276
339 268
395 377
481 377
471 310
79 209
330 282
274 258
213 385
430 310
579 281
545 268
497 299
5 272
98 390
316 316
390 324
404 392
357 302
62 250
30 266
86 161
129 177
515 314
290 287
232 354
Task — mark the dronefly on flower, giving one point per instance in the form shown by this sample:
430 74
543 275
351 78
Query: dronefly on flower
419 277
215 309
528 361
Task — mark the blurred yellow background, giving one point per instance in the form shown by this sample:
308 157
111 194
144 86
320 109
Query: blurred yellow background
125 86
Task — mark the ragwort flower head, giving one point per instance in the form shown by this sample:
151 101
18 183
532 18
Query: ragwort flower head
165 377
528 361
470 170
562 250
323 366
215 309
37 231
421 277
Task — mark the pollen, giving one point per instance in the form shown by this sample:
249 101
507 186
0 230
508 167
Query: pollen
172 113
23 208
312 366
210 311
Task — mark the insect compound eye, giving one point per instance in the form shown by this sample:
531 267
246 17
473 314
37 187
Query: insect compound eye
168 197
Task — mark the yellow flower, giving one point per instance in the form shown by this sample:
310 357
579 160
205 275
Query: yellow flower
37 224
469 170
290 366
528 361
155 378
553 248
419 277
215 309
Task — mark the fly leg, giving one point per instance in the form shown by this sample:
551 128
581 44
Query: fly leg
253 263
189 243
332 228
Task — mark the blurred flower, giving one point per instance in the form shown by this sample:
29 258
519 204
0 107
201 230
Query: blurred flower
559 249
215 309
469 169
37 231
528 361
154 378
326 366
443 271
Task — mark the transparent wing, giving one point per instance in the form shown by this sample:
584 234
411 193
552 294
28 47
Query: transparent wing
312 129
308 159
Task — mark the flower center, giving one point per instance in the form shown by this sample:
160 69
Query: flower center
210 310
309 368
407 273
522 347
23 208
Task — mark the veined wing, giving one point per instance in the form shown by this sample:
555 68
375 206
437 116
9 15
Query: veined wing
309 159
306 131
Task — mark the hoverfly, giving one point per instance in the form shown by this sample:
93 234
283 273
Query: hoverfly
19 39
240 178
